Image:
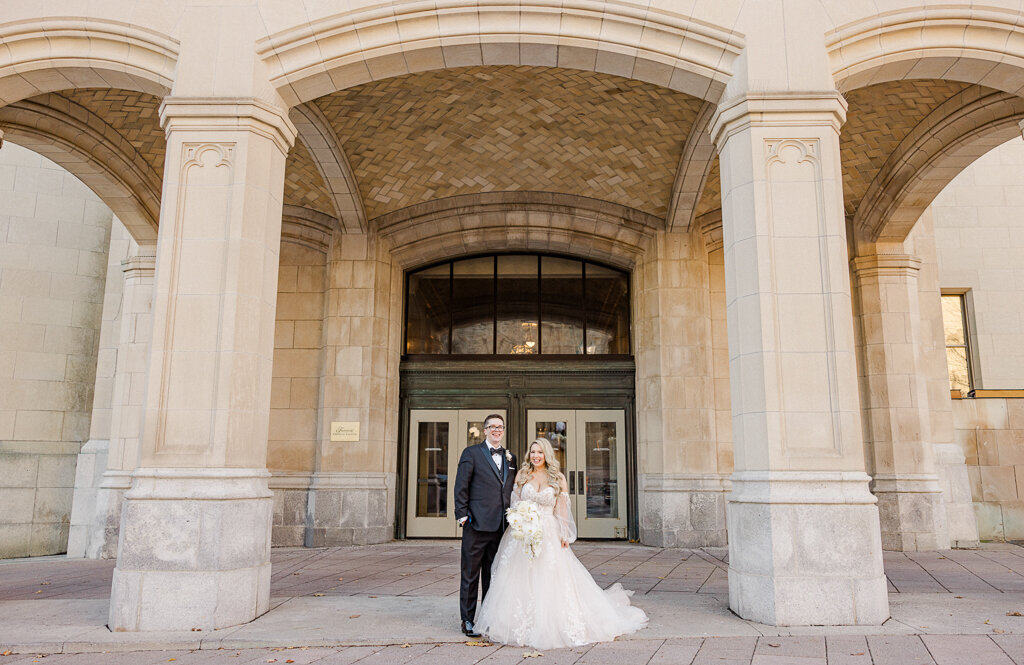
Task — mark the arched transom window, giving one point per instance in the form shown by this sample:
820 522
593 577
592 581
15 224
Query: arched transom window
517 304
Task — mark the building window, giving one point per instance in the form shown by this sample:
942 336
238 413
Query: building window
517 304
958 352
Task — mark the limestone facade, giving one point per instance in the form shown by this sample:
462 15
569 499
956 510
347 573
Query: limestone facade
758 169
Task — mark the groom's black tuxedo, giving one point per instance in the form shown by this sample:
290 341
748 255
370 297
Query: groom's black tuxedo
483 493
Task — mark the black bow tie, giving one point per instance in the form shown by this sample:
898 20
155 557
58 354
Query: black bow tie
497 451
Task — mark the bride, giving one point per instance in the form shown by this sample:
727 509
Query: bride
549 600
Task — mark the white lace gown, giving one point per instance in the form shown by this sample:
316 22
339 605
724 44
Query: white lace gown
551 601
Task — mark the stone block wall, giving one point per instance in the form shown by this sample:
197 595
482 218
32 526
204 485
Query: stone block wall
991 433
54 236
295 390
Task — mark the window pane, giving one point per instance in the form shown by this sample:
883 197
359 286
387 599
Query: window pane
561 312
429 314
953 319
557 432
607 302
959 377
473 306
602 476
517 304
432 470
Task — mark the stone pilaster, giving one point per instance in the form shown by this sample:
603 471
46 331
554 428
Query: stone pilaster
352 494
194 548
804 541
896 413
682 487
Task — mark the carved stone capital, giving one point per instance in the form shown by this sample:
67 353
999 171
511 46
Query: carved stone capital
788 109
886 265
140 265
220 114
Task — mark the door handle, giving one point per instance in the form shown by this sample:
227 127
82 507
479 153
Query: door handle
572 483
580 482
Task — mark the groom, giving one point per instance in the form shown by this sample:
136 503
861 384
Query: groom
483 492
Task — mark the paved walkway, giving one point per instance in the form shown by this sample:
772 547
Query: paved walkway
397 603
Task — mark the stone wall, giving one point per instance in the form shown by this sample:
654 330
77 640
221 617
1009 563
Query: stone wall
54 235
979 241
295 391
991 433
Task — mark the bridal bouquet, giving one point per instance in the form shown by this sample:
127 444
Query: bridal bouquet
524 520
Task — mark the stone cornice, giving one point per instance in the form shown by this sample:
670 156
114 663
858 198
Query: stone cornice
787 109
218 114
886 265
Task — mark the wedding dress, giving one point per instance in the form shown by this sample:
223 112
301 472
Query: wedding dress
551 601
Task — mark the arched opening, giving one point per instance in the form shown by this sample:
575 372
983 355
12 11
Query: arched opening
542 339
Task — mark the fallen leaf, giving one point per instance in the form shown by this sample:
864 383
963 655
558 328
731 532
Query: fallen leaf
960 597
532 654
859 653
986 621
271 660
170 659
1000 631
39 591
774 645
405 646
406 574
373 596
479 644
197 630
1014 614
44 583
354 616
6 653
341 578
317 595
289 661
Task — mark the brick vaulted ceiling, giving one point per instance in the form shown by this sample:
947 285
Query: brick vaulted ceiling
430 135
134 117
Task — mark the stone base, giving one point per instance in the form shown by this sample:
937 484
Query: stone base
804 549
350 509
106 524
961 522
911 512
194 550
291 490
89 468
683 510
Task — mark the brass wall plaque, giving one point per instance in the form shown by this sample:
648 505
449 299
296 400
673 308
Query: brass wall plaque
345 431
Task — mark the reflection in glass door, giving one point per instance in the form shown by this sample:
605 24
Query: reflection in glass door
437 438
591 449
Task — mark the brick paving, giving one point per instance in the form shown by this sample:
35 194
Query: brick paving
430 568
816 650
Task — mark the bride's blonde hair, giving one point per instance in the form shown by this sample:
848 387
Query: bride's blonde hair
551 465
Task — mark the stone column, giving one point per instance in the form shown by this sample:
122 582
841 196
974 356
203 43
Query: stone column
352 495
804 541
896 413
194 548
92 459
127 404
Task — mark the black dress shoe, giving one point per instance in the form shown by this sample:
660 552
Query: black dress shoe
467 628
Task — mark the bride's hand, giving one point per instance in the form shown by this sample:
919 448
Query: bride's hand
565 543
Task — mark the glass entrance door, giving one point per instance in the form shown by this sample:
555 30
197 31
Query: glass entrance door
591 449
437 438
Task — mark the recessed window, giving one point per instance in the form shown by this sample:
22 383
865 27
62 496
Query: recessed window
517 304
958 353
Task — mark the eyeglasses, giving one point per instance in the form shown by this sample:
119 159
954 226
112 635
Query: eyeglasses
497 428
